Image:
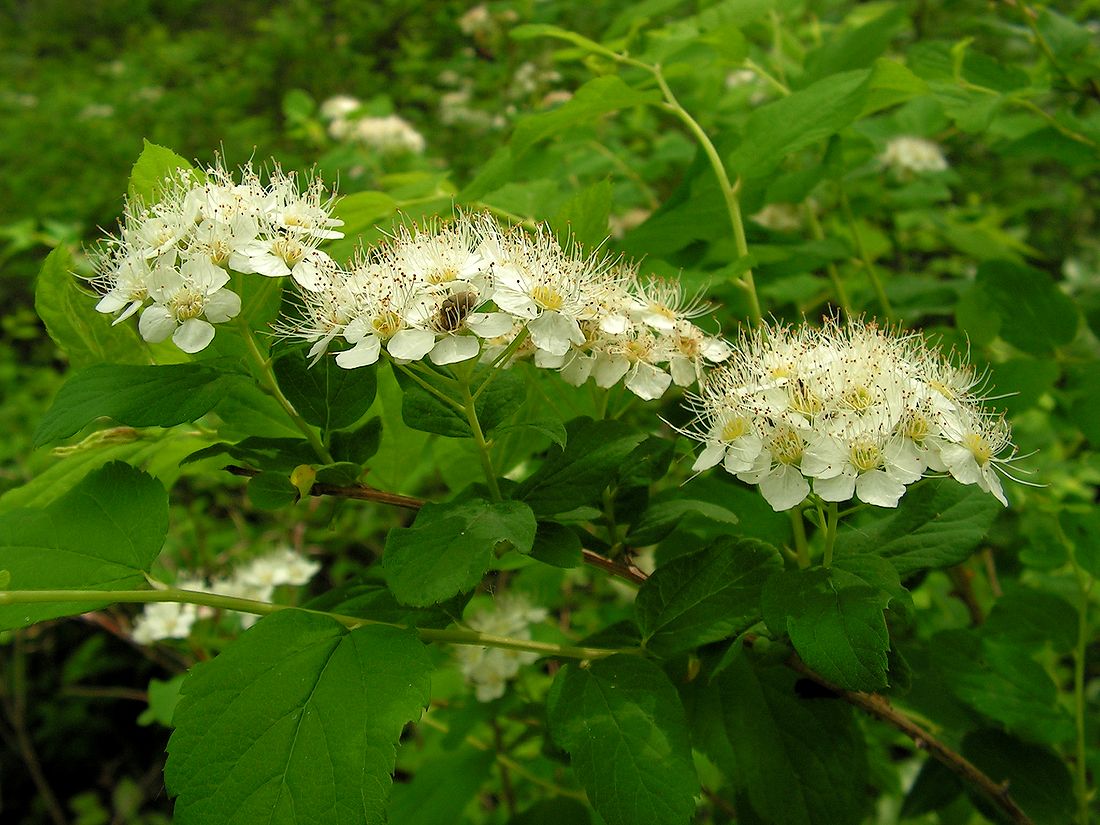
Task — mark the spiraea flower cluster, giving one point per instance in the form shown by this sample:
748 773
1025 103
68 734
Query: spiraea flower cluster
472 288
256 580
852 409
907 154
489 669
390 134
171 260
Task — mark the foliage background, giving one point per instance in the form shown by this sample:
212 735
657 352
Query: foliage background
998 254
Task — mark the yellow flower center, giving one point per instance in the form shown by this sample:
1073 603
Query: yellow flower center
387 323
188 304
804 400
978 447
859 399
289 250
219 253
443 275
734 428
865 455
547 297
786 445
915 427
635 351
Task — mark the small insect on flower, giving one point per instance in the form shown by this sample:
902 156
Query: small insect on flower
853 409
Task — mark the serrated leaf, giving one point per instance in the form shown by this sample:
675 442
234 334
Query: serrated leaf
705 596
624 727
422 411
84 335
1037 778
937 524
449 547
326 395
153 165
271 491
1001 681
557 545
137 396
798 761
799 120
583 218
359 445
596 97
666 510
834 621
103 534
576 475
441 789
282 454
296 723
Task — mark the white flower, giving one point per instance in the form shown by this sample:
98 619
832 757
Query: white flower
186 302
125 281
779 217
909 154
389 135
164 620
490 668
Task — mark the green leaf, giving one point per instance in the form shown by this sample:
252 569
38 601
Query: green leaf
296 722
666 510
450 546
422 411
101 535
326 395
147 396
583 218
531 31
834 621
705 596
360 212
799 120
1036 316
1038 780
154 164
441 789
577 474
596 97
1001 681
69 313
282 454
622 723
937 524
557 545
857 47
271 491
559 810
799 761
1031 619
359 445
163 698
369 598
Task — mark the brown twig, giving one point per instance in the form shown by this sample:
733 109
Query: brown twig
871 703
991 572
962 577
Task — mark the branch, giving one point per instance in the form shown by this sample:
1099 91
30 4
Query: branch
356 491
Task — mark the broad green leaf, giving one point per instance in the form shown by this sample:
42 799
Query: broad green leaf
450 546
101 535
163 697
69 313
798 761
1036 777
1036 316
1031 619
705 596
667 509
891 83
422 411
145 396
622 723
326 395
369 598
583 218
937 524
283 454
360 212
835 622
855 47
557 545
935 787
441 789
295 723
271 491
802 119
531 31
1000 680
358 445
576 475
558 810
154 164
596 97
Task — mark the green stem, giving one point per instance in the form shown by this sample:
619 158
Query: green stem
470 408
832 519
446 399
502 358
271 386
1081 781
864 257
802 549
220 602
729 192
834 275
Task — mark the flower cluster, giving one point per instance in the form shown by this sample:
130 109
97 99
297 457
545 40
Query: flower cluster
389 135
172 259
255 580
854 409
488 669
470 287
906 154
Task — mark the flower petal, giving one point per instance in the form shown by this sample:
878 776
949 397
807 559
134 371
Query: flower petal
411 344
222 305
454 348
156 324
193 335
363 354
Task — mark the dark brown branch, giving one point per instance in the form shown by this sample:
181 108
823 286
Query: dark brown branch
871 703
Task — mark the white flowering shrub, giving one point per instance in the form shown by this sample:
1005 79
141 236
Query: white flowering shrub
552 527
